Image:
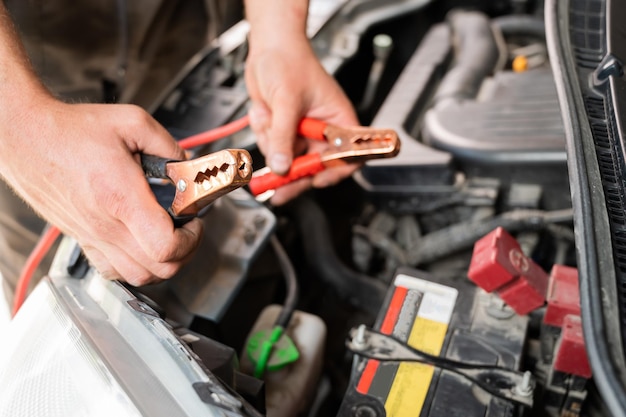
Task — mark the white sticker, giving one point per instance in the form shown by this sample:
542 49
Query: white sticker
438 301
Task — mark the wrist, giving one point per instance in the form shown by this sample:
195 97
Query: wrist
276 23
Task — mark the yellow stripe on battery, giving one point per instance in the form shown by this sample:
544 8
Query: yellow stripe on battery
410 386
412 381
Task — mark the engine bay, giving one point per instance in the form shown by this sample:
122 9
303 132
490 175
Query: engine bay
440 282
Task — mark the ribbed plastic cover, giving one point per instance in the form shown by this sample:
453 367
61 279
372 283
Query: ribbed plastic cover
516 118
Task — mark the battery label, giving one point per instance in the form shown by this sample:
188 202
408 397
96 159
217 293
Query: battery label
419 314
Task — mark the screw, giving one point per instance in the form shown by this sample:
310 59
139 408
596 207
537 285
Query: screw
359 341
224 400
245 164
524 388
249 236
364 411
259 222
498 309
181 185
382 44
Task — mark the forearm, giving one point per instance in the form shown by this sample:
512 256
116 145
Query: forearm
20 93
274 23
17 78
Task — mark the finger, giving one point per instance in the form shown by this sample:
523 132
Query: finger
333 175
260 116
194 230
290 191
143 134
136 208
153 229
161 241
135 268
130 263
100 263
285 115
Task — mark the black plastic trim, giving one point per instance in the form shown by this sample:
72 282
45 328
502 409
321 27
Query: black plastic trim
601 324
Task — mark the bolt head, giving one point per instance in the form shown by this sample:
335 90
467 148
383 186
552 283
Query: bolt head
525 388
382 40
364 411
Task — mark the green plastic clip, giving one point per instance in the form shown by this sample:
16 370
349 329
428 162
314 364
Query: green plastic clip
271 350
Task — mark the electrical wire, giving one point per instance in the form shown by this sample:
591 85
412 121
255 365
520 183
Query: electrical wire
291 284
496 380
44 244
214 134
49 236
289 306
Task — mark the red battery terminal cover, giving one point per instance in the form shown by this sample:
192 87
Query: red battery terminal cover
563 295
498 264
570 353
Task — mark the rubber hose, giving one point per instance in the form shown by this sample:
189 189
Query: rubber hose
520 25
360 290
462 236
291 284
476 55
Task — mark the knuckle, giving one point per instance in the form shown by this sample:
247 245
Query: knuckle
116 203
139 278
166 252
167 270
135 116
109 274
106 198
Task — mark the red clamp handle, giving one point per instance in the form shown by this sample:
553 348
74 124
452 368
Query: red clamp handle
303 166
312 129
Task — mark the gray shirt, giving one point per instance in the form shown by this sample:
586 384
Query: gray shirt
84 49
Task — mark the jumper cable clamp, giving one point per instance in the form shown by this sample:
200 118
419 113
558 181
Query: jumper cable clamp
200 181
345 145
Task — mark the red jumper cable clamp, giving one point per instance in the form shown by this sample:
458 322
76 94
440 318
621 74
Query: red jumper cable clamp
345 145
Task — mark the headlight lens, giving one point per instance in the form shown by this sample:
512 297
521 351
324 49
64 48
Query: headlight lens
48 368
88 347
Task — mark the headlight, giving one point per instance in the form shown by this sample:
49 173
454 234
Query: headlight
87 347
49 369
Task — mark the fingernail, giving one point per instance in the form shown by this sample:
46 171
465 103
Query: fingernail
279 163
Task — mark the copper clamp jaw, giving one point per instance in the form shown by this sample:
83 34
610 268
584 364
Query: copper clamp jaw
201 181
359 144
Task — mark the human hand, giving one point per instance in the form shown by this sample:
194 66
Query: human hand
78 166
286 82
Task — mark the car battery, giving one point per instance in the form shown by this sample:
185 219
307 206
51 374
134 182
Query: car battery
451 319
